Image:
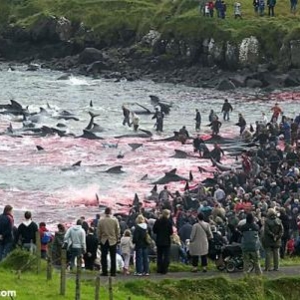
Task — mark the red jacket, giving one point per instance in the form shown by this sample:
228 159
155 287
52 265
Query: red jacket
43 229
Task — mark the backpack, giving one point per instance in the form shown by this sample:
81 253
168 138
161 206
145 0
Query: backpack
46 238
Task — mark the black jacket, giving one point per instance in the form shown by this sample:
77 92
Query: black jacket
163 230
27 232
139 236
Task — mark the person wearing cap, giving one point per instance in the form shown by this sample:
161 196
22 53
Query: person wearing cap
271 239
250 244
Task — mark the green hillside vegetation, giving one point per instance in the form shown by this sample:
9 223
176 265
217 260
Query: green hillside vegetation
181 18
30 285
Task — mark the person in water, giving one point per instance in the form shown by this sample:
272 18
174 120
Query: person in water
276 111
126 114
212 115
217 152
135 121
215 126
183 135
200 147
241 123
198 120
226 109
159 116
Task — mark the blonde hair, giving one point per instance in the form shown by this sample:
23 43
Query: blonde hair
127 232
166 213
175 239
140 219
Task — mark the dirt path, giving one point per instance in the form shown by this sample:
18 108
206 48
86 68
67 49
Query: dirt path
284 271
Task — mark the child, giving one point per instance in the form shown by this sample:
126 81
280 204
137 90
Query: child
290 247
237 10
206 9
126 248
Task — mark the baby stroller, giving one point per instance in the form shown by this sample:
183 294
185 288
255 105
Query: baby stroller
231 259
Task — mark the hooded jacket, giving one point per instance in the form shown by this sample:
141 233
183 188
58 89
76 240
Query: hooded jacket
27 232
139 236
76 236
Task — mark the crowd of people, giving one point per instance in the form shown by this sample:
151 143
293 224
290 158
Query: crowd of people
208 8
256 206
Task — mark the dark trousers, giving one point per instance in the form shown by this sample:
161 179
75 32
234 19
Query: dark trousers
105 248
271 11
195 260
163 259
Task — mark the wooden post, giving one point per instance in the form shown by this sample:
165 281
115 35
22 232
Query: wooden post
63 272
110 290
97 287
38 251
77 282
49 262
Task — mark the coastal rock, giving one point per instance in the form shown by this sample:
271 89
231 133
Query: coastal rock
249 52
225 85
295 50
32 67
253 83
231 56
51 29
172 48
151 38
290 81
238 80
90 55
97 67
216 50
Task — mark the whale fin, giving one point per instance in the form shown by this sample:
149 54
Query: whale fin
39 148
136 200
91 103
191 177
144 177
134 146
187 187
115 170
173 171
77 164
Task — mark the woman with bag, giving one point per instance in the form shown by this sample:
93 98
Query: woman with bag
200 235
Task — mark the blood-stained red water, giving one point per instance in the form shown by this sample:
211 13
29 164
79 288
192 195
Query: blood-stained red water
43 182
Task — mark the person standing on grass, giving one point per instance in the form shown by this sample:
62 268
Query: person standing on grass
141 246
198 247
163 230
273 232
294 6
108 236
237 10
271 5
6 231
26 234
250 244
261 7
76 238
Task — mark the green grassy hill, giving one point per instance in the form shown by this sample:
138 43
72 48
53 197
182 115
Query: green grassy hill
180 18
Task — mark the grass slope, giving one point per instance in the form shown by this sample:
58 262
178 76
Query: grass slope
28 285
